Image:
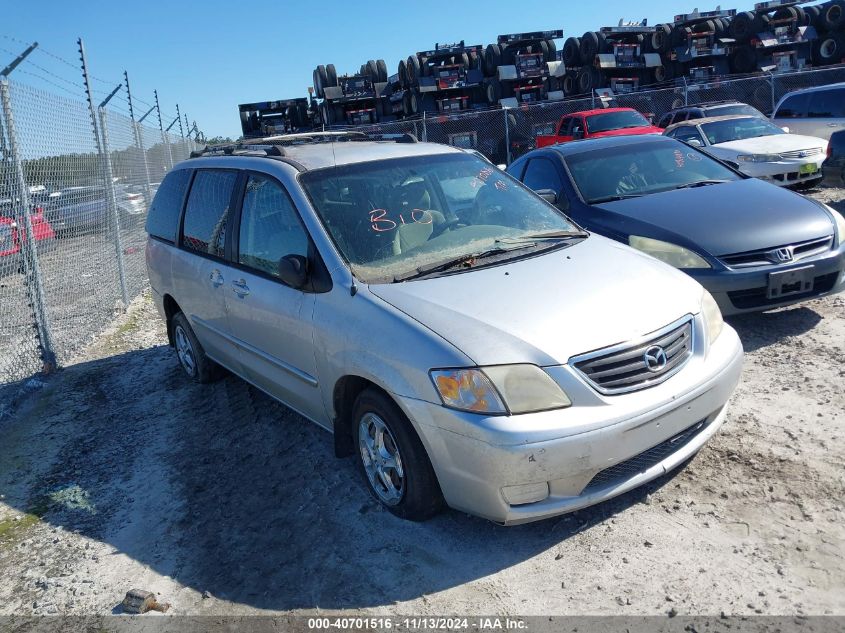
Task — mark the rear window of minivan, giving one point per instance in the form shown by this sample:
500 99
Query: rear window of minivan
163 218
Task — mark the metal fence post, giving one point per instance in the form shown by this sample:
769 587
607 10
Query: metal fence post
774 99
108 176
32 270
507 138
686 90
161 128
425 128
139 143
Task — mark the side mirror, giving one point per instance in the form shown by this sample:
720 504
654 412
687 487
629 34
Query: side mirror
548 195
293 270
785 129
694 142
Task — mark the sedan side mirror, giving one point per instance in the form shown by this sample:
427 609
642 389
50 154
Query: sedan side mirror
694 142
785 129
293 270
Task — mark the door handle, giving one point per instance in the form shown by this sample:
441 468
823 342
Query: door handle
834 125
240 288
216 278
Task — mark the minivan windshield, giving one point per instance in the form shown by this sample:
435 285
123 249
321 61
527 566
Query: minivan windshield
391 219
628 171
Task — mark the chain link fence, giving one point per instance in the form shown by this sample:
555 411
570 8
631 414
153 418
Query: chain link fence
503 135
73 204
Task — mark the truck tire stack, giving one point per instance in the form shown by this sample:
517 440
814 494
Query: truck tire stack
829 21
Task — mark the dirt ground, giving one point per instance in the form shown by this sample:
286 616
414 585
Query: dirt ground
118 473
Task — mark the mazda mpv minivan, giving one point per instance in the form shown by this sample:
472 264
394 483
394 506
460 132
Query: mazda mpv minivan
458 335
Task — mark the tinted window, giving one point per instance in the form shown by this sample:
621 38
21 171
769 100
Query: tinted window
644 168
207 212
693 114
163 218
615 121
686 134
827 104
665 120
794 107
541 174
270 227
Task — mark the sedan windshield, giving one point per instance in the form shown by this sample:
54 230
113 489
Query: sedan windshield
648 167
393 218
738 130
615 121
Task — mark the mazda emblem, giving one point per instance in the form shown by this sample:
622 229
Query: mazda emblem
655 358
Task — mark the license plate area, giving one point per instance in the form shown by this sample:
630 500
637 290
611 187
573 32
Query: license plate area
809 168
791 282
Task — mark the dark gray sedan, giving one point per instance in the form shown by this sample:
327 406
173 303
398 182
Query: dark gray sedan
753 245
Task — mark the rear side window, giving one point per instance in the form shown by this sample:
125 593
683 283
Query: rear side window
541 174
694 114
794 107
207 213
827 104
163 218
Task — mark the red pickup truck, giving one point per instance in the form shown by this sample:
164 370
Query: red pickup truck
598 123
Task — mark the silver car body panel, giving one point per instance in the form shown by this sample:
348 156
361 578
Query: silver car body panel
542 310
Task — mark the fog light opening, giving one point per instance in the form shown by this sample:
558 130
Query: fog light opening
525 493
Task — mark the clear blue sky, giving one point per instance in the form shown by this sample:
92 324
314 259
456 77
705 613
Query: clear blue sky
210 56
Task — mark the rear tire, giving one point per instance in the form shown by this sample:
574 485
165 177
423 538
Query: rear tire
572 52
392 459
661 39
331 76
493 91
381 68
744 60
192 358
829 49
742 26
492 59
833 15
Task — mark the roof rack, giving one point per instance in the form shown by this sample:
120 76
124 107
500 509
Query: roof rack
273 146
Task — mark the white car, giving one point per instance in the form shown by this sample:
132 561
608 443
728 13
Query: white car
756 147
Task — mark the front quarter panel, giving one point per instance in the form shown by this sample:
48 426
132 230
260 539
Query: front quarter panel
362 335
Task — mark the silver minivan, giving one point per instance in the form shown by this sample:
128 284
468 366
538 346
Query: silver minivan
816 111
468 343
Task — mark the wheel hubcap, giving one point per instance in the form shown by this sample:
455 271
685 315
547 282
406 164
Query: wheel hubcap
381 459
185 351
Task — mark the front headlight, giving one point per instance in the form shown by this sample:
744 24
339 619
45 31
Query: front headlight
758 158
712 315
499 390
839 223
672 254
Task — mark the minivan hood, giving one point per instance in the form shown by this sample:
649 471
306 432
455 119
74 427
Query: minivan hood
732 217
546 309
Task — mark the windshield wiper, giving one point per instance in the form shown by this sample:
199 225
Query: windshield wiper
619 196
701 183
467 260
547 235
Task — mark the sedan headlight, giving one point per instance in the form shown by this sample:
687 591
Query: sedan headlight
758 158
712 315
499 390
672 254
839 222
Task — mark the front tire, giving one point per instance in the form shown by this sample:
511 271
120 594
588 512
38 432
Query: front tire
392 459
192 359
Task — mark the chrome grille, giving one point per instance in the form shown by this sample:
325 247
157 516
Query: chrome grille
802 153
624 368
767 256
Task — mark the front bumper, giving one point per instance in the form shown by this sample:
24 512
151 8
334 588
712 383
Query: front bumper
787 172
482 462
744 290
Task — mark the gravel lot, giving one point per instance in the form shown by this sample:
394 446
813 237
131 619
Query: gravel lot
119 473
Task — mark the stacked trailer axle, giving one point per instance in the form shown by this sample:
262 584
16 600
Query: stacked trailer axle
619 57
445 80
777 36
357 99
695 45
522 68
284 116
